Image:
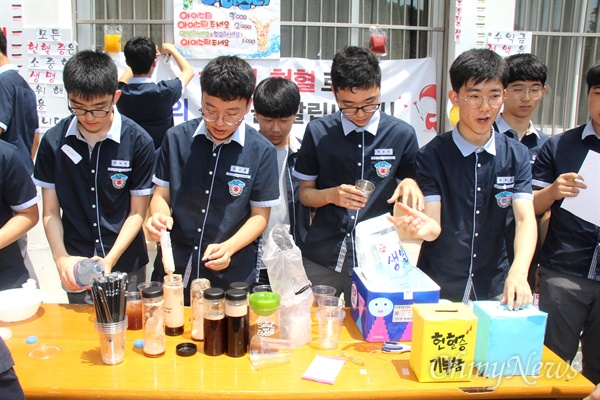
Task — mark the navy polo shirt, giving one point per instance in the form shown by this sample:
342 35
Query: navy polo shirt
94 190
572 245
476 187
334 151
150 104
18 193
212 189
18 113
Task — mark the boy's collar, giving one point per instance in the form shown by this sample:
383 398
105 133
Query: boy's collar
114 133
589 131
372 127
503 126
8 67
140 79
239 135
467 148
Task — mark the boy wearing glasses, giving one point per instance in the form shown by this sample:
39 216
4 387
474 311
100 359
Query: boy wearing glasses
358 142
526 88
470 177
215 183
95 171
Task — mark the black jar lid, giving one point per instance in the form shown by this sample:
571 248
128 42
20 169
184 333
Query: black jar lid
152 292
236 294
214 293
240 285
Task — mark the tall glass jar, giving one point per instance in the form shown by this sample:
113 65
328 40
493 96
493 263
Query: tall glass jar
214 322
154 321
197 289
236 311
264 314
173 289
246 287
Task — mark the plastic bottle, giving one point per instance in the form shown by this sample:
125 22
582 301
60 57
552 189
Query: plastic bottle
154 321
214 322
87 269
264 314
236 313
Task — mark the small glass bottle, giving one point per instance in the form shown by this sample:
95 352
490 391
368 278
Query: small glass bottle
197 289
236 311
214 322
154 321
264 314
174 319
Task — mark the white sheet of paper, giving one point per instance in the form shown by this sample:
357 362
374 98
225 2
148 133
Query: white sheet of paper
586 205
324 369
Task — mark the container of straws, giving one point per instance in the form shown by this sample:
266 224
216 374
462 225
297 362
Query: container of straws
109 293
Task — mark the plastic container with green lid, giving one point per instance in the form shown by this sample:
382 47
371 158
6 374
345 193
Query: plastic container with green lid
264 314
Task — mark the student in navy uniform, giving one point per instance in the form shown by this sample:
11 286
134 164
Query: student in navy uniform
10 387
358 142
148 103
470 176
216 179
19 123
526 88
276 102
95 170
570 257
18 214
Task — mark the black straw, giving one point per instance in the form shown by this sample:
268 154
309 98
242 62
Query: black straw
108 294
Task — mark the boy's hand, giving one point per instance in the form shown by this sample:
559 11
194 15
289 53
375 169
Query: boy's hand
65 271
415 223
517 293
409 193
348 196
217 256
156 223
167 48
567 185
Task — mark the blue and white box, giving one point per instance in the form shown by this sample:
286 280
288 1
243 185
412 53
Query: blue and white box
508 342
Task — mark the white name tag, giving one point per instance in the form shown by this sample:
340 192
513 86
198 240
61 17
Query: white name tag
384 152
240 170
71 153
119 163
505 180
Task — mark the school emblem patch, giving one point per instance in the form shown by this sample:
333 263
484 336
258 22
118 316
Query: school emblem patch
118 180
383 168
504 199
236 187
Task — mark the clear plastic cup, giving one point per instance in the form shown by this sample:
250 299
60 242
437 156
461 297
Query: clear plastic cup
266 352
330 327
320 291
330 301
262 288
112 341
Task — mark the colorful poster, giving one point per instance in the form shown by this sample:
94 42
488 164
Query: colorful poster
205 29
408 90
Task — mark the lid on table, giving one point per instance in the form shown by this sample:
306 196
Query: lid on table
264 303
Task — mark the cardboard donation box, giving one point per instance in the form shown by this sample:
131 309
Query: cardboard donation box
383 314
508 342
443 345
385 285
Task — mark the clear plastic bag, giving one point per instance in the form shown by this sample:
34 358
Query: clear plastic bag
288 279
112 38
378 39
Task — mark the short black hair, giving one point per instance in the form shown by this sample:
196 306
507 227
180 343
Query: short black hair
140 53
478 65
526 67
228 78
355 68
90 74
276 98
3 43
592 76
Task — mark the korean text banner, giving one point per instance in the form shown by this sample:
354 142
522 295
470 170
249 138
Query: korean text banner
408 90
249 29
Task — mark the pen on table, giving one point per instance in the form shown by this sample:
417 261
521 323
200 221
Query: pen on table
576 180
